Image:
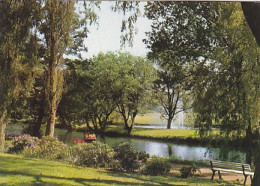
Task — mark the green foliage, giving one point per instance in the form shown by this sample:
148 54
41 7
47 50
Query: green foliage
47 148
227 92
22 142
157 166
189 171
93 155
102 85
129 158
131 12
136 76
18 53
177 41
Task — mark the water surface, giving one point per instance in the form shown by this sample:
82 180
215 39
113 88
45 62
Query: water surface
153 147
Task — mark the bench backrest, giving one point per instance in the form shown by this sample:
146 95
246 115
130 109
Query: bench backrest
229 165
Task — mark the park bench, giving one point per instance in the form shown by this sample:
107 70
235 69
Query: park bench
223 166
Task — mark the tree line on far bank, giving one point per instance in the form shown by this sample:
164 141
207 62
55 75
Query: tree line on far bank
203 58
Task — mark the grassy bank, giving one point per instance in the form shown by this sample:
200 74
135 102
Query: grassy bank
17 170
160 134
186 136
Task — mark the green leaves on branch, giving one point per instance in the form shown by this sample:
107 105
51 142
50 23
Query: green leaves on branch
107 83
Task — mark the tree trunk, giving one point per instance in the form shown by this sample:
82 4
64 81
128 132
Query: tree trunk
129 129
256 179
37 126
51 122
52 96
2 130
169 123
249 134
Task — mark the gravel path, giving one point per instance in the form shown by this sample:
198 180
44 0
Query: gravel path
206 173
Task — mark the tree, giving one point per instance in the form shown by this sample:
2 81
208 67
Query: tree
17 52
136 75
104 84
170 91
104 91
228 95
56 29
178 39
251 11
91 92
63 29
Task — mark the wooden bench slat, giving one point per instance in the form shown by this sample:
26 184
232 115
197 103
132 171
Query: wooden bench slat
249 173
228 170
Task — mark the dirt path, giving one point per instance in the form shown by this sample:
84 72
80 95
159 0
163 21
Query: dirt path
206 173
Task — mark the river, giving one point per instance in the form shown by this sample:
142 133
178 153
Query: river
153 147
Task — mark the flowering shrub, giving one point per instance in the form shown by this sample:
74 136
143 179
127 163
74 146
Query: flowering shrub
49 148
93 154
77 140
19 143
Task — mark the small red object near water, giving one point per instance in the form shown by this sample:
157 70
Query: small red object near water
77 140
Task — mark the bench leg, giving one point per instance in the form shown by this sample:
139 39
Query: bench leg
251 177
219 175
213 174
245 179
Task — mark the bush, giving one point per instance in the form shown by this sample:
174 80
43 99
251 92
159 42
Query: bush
94 154
189 171
21 142
47 147
157 166
129 158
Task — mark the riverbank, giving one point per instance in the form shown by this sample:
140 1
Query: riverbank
17 170
178 136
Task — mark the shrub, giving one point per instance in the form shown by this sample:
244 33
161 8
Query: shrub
157 166
47 147
94 154
189 171
129 158
21 142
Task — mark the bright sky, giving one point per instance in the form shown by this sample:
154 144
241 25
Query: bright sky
106 36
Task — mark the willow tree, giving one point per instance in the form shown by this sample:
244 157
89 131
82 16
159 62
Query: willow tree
179 37
228 92
251 11
63 28
17 52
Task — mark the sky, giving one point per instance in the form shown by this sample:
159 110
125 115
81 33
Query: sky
106 36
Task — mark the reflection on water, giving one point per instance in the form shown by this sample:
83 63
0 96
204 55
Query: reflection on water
157 126
185 152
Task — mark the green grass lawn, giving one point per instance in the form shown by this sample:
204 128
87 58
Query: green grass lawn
17 170
158 133
162 134
150 118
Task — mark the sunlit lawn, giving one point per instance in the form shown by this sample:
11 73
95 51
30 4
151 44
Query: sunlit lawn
160 133
16 170
164 133
150 118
